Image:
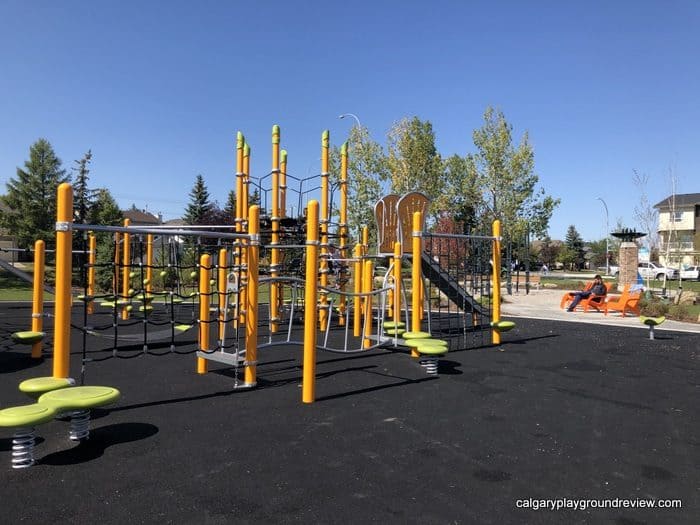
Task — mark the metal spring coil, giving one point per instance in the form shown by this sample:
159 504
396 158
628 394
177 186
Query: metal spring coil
23 448
430 364
79 425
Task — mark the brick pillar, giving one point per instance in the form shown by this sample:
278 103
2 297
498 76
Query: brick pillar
629 260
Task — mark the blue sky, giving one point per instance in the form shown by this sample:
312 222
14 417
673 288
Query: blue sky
158 90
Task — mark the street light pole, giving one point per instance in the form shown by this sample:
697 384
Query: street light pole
607 237
359 125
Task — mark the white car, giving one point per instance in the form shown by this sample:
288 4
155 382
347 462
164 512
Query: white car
691 273
651 270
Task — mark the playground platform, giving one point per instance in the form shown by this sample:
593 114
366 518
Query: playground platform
559 410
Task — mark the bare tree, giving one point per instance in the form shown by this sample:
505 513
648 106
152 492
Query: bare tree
645 214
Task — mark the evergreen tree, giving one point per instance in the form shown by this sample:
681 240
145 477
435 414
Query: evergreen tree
574 245
104 211
230 208
83 197
199 205
31 196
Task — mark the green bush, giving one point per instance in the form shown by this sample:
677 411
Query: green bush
653 306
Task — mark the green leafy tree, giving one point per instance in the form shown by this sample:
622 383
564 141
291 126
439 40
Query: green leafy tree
366 172
505 173
461 195
199 204
574 245
31 196
413 161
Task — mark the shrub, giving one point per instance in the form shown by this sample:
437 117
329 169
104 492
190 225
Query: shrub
653 306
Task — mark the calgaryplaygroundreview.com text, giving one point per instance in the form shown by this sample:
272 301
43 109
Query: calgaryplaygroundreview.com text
585 504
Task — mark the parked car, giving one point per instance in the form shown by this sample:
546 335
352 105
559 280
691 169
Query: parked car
691 273
650 270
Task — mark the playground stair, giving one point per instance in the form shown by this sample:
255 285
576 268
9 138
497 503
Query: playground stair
447 285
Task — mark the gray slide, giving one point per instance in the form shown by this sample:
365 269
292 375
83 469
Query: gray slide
23 275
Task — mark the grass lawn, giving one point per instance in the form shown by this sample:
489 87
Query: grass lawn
15 289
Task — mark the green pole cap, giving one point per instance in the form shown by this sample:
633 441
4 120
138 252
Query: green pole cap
275 134
325 138
246 150
283 155
344 149
240 140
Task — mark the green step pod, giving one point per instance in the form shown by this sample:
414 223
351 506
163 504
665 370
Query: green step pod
651 322
28 337
37 386
23 419
78 401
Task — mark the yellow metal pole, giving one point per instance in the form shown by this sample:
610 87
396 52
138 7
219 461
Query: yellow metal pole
244 252
222 286
495 334
357 288
64 270
240 144
38 295
283 183
149 264
343 228
246 184
126 269
365 240
416 276
367 282
324 219
310 311
251 325
204 309
397 282
240 141
92 257
275 218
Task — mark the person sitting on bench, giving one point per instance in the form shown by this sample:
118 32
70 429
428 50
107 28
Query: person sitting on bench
598 288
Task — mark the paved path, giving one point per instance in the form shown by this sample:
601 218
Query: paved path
544 304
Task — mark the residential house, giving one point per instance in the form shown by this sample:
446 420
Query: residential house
679 230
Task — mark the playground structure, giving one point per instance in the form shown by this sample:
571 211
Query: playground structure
243 306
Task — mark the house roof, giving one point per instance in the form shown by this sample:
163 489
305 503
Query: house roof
140 217
683 199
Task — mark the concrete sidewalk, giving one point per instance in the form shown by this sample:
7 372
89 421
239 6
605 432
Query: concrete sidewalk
544 304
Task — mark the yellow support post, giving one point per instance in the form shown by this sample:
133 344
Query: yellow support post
222 277
240 141
496 277
343 228
357 288
92 257
275 218
397 282
240 144
126 270
204 309
416 298
38 295
365 240
245 211
367 283
64 270
149 264
324 220
283 183
310 311
251 324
